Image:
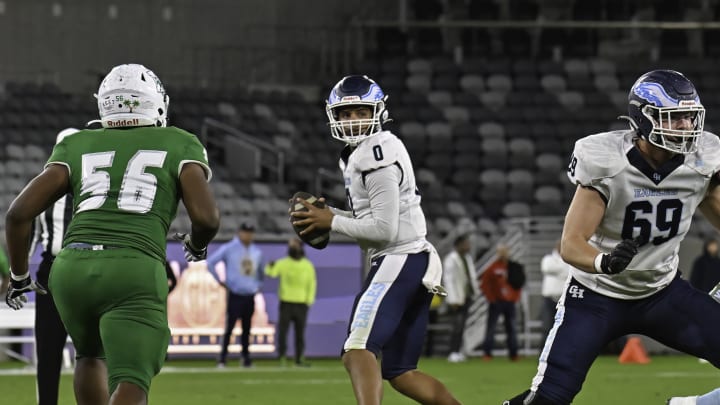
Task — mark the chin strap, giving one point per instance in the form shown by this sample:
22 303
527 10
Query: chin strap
633 125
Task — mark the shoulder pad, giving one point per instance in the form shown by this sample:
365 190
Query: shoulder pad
599 156
377 151
180 131
706 160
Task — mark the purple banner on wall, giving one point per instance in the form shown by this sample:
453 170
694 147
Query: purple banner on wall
196 308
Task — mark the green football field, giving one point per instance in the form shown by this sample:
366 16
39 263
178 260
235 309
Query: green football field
473 382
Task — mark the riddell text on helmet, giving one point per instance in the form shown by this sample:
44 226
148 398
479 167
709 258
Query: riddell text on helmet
123 123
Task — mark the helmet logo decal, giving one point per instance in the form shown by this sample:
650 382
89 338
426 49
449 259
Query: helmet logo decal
131 104
374 93
654 93
158 84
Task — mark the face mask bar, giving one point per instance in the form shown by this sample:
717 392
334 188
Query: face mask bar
353 132
663 135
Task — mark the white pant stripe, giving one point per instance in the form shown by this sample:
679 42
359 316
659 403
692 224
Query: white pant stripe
367 307
542 361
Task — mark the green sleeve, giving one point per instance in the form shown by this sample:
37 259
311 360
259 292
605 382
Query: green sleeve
195 152
272 270
4 265
312 285
59 154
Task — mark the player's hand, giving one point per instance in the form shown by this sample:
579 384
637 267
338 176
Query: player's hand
313 218
15 297
617 260
192 254
320 200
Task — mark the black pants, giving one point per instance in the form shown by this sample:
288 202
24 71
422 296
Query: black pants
507 310
238 307
50 338
458 322
297 314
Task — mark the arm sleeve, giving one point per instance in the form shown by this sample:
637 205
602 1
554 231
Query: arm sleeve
195 153
312 285
487 285
592 163
260 270
338 211
272 269
59 155
549 266
213 260
4 265
384 194
449 281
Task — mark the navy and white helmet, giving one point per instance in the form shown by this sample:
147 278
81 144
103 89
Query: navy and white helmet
656 100
356 90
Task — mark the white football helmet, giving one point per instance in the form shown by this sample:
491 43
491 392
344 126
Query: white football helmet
131 95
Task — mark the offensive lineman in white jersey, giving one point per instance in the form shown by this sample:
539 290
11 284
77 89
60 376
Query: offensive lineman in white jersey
390 314
637 191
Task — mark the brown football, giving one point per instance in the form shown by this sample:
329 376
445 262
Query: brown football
316 239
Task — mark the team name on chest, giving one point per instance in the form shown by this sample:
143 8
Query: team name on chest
648 192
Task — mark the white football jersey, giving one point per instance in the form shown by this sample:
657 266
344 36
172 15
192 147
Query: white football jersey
656 205
376 152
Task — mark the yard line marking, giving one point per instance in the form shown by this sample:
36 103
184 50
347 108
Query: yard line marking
180 370
685 374
665 374
275 381
24 371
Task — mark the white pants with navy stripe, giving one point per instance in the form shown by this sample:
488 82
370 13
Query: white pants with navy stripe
390 314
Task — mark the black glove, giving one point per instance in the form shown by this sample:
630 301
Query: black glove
15 297
617 260
192 254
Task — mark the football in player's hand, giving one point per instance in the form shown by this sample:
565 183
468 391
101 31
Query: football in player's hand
318 239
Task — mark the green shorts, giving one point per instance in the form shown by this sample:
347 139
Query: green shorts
114 306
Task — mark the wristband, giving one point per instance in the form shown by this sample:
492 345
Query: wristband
191 246
21 277
597 264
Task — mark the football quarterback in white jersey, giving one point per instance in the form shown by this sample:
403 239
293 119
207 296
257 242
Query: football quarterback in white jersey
390 314
637 191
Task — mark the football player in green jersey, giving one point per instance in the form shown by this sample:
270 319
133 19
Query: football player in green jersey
108 281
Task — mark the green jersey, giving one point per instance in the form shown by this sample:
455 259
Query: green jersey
125 184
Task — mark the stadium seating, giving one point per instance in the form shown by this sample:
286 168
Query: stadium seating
495 133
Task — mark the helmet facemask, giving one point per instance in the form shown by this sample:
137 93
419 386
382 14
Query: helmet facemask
355 131
354 92
663 119
664 109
